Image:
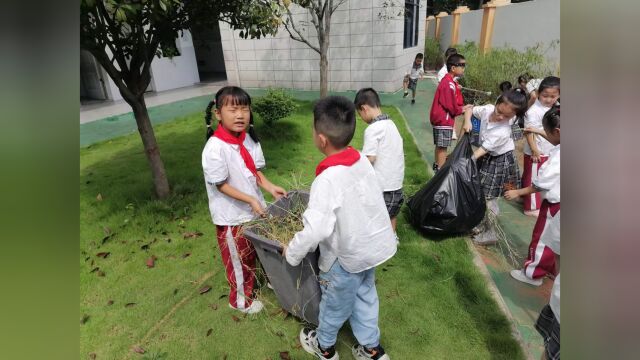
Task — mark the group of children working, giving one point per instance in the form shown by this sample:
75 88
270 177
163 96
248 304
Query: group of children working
351 214
537 109
356 195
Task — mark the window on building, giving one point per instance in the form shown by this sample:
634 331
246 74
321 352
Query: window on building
411 22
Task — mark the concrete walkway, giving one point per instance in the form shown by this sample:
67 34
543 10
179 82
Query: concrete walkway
521 302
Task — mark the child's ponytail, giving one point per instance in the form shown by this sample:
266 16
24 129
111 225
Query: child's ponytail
551 119
518 99
207 119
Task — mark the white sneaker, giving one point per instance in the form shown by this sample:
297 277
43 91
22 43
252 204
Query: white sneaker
309 341
520 276
256 307
361 353
269 286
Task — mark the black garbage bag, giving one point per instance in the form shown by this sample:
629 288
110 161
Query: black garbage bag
452 202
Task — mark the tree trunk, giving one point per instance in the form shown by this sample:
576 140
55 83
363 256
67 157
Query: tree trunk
151 149
324 72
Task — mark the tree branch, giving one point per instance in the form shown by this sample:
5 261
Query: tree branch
300 37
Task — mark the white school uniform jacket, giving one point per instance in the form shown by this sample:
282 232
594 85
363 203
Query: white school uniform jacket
548 180
442 72
347 218
221 162
533 119
382 140
495 137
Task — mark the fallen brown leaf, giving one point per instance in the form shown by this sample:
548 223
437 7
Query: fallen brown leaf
205 289
103 254
100 273
99 197
129 304
92 356
284 355
84 319
94 270
110 302
192 234
214 306
144 247
151 262
235 318
138 349
209 332
186 255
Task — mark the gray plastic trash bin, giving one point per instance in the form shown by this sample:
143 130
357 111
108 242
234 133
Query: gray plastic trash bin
296 287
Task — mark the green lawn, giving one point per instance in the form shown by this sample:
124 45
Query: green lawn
433 301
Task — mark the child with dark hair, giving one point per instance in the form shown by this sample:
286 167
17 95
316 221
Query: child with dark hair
411 77
232 164
447 104
536 148
540 258
496 161
383 147
347 220
518 122
443 70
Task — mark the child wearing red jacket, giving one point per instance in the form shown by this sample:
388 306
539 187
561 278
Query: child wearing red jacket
447 104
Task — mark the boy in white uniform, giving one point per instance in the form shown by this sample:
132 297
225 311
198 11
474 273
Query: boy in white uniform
347 219
384 148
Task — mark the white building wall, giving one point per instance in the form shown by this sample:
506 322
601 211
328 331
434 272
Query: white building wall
166 73
364 51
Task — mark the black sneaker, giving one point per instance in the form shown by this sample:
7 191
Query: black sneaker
406 93
413 101
309 342
362 353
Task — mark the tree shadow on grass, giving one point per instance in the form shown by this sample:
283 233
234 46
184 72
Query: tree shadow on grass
490 322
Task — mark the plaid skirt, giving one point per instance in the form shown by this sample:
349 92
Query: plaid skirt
549 327
393 200
498 171
442 137
516 132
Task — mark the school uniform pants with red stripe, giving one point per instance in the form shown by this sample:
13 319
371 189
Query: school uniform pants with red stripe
529 174
239 259
540 259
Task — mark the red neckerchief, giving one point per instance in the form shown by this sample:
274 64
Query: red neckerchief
224 135
459 98
346 157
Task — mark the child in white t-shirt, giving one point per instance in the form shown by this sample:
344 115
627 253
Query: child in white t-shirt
347 220
497 164
383 146
536 148
540 259
232 163
411 77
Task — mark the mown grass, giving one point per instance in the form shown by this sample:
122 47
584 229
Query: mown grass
433 301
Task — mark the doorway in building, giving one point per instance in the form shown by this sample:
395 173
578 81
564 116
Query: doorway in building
92 85
208 48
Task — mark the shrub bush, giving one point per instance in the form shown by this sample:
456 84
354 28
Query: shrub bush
485 72
432 54
273 106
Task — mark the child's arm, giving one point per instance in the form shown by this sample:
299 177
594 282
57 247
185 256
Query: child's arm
230 191
536 131
468 112
512 194
319 222
372 138
531 140
268 186
480 152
